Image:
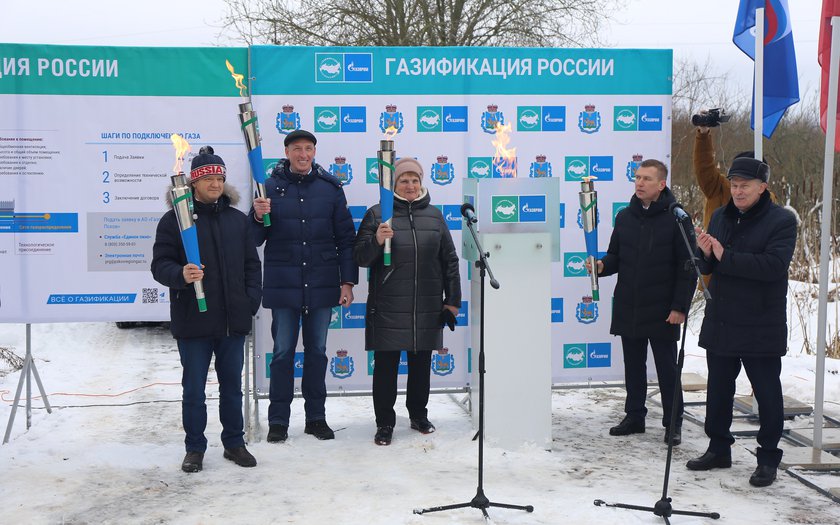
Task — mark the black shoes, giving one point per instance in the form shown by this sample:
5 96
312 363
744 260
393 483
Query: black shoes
628 426
193 462
319 429
422 425
240 456
763 476
277 433
383 435
710 460
676 437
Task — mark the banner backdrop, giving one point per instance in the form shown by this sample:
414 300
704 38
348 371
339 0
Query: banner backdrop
85 160
573 113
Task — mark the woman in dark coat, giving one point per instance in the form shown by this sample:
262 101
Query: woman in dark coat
408 301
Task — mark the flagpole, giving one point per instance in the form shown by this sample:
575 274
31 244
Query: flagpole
825 228
758 96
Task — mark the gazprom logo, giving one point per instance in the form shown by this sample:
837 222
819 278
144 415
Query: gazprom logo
532 208
353 316
600 167
599 355
452 215
556 309
343 67
637 118
445 119
344 119
574 264
541 118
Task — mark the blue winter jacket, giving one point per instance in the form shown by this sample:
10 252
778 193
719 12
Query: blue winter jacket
309 245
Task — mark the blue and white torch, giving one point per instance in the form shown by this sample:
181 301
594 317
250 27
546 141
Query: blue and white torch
589 218
182 202
250 130
385 157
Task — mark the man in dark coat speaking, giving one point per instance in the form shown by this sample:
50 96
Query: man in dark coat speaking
652 295
747 251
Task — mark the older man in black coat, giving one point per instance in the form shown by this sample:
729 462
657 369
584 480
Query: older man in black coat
747 251
652 296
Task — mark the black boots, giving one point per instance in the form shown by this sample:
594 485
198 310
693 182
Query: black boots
422 425
319 429
710 460
628 426
277 433
240 456
193 462
763 476
383 435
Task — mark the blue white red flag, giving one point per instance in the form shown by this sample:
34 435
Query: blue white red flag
781 83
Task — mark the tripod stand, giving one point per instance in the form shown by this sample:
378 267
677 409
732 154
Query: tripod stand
26 373
479 501
663 507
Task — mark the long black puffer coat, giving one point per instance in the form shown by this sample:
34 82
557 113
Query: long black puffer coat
405 300
747 315
649 254
232 271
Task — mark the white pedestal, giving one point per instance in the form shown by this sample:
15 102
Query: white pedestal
517 340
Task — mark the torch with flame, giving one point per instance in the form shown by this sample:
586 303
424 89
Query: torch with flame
385 157
182 202
248 124
589 217
505 158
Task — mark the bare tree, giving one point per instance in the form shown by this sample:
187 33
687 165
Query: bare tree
537 23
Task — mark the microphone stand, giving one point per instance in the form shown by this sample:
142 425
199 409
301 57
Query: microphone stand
663 506
479 501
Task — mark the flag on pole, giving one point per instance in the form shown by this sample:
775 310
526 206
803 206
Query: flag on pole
830 8
781 83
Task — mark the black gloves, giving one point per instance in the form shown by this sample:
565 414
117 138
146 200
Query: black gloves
447 318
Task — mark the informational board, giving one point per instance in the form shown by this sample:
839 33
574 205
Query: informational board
572 113
85 165
85 160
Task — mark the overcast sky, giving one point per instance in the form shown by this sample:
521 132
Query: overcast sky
695 30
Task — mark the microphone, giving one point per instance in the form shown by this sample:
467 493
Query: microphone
468 212
679 212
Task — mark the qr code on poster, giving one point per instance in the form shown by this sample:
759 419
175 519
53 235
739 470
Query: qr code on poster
150 295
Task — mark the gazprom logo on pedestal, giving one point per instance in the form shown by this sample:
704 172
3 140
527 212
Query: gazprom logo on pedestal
504 208
343 67
541 118
532 208
556 309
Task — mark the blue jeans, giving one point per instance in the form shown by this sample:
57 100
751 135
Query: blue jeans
286 324
195 359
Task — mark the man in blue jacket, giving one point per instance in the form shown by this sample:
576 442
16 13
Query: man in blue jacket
308 269
747 251
231 277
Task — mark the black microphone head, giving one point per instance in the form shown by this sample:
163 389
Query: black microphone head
467 206
674 205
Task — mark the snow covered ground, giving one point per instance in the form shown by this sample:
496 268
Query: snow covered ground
111 450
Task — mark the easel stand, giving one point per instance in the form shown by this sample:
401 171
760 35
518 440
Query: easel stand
479 501
26 373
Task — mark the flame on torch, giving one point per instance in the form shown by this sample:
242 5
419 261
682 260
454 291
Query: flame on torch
182 147
505 158
243 89
390 133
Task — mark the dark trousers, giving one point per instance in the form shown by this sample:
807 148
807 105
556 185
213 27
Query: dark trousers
385 368
286 324
195 358
635 376
763 373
